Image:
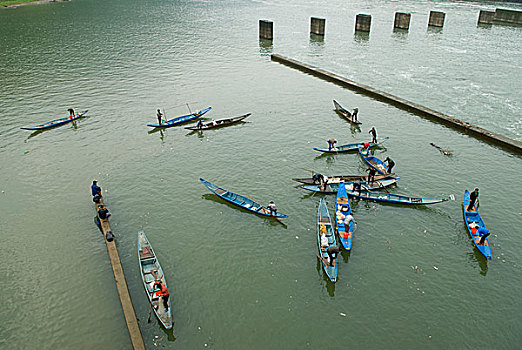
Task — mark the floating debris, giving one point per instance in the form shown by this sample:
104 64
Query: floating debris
436 268
342 314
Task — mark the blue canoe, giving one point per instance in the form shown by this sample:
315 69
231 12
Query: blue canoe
151 272
56 122
394 198
334 187
350 147
473 222
343 209
374 162
323 219
239 200
180 120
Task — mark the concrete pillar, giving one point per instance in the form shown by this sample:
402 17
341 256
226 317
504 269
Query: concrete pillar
486 17
266 29
317 25
508 16
402 20
363 23
436 19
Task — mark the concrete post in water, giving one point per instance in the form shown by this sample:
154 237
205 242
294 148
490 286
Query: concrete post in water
363 23
402 20
486 17
266 29
317 25
508 16
436 19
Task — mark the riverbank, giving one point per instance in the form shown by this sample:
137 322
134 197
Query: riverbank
17 3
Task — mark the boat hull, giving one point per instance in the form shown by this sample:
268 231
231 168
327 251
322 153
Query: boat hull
180 120
342 209
374 162
351 147
219 123
333 188
394 198
323 217
55 123
344 113
471 217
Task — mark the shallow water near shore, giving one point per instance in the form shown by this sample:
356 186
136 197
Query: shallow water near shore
240 281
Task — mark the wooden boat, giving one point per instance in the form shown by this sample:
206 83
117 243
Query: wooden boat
323 219
240 200
473 222
346 178
219 123
343 209
151 272
54 123
374 162
344 113
394 198
350 147
180 120
334 187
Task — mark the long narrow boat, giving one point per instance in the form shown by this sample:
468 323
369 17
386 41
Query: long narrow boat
473 222
334 187
219 123
180 120
394 198
56 122
374 162
343 209
350 147
151 272
323 220
240 200
344 113
346 178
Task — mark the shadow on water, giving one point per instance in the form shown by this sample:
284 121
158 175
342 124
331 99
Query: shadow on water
330 286
316 42
266 47
354 128
484 26
401 35
346 255
477 257
272 221
74 126
361 37
434 30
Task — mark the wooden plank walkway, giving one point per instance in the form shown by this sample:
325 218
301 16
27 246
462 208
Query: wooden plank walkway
121 285
473 130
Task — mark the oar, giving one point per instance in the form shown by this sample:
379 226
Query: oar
313 172
150 311
189 108
164 115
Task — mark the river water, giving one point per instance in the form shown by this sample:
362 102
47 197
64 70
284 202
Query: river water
240 281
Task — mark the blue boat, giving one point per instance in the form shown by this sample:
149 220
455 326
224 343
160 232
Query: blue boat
394 198
151 272
242 201
324 226
350 147
54 123
374 162
343 209
473 222
332 188
180 120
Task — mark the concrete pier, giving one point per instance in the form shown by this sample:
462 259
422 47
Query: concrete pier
508 16
121 285
317 25
470 129
266 29
363 23
402 21
436 19
486 17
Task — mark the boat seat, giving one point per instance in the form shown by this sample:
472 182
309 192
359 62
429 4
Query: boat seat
146 253
324 220
342 200
219 190
416 200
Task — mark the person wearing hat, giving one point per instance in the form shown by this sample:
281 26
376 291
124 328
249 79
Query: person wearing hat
272 207
95 189
472 198
483 233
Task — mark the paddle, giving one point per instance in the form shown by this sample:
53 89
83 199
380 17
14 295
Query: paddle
164 115
150 312
313 172
189 108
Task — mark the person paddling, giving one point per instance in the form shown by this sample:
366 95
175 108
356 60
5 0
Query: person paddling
272 207
374 134
160 116
163 292
472 198
71 113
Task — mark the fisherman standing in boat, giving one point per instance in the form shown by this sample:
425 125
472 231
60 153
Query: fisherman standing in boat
331 143
374 134
371 176
160 116
71 113
272 207
163 292
354 114
391 163
472 198
199 125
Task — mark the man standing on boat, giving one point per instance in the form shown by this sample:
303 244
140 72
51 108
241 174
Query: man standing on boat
71 113
374 134
354 114
391 164
472 198
160 116
371 176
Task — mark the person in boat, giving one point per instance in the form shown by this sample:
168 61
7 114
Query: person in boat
357 187
332 251
272 207
374 134
95 189
347 220
199 125
71 113
324 239
354 114
324 183
163 292
103 212
483 233
214 123
371 176
331 143
160 116
391 163
472 198
316 178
